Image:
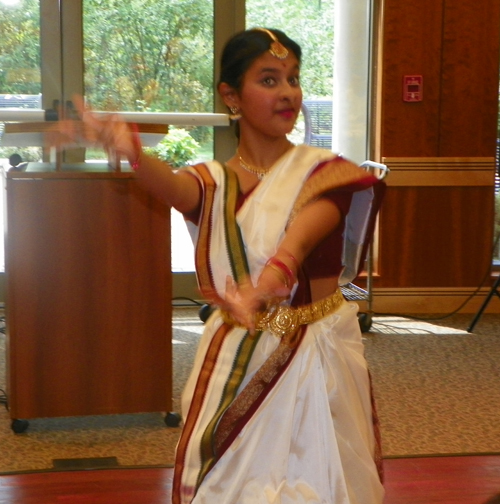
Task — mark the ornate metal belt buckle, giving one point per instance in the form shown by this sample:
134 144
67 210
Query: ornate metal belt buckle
284 321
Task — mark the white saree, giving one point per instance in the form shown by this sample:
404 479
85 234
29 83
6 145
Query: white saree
306 434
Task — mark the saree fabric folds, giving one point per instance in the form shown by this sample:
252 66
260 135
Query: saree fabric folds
273 419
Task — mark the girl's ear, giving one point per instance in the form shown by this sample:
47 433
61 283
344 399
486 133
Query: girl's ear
228 95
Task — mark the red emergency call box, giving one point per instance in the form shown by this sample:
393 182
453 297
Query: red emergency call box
412 88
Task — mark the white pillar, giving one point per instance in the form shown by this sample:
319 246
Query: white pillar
350 78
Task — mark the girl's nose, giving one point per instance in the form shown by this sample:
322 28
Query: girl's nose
289 91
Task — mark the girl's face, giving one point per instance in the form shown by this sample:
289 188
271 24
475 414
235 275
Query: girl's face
270 96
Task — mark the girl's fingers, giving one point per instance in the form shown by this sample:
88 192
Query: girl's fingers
62 134
93 128
84 111
213 297
109 132
243 301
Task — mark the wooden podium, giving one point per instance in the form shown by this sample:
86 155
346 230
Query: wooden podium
88 306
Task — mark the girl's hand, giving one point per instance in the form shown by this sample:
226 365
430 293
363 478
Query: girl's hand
109 132
243 301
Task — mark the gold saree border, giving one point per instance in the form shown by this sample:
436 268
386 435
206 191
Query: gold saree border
196 406
204 274
332 174
239 266
237 374
258 388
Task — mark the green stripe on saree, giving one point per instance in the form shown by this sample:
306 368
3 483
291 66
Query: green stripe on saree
239 266
207 448
235 247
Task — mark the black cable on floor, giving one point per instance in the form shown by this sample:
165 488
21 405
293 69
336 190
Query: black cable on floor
191 301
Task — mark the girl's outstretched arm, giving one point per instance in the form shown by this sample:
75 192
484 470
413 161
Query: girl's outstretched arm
119 138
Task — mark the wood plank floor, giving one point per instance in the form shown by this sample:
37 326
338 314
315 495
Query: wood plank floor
443 480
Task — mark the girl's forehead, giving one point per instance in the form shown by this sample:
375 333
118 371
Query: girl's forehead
268 61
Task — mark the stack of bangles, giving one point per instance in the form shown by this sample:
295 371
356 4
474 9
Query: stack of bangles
136 143
284 271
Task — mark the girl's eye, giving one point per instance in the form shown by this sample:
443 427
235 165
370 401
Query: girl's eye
295 81
268 81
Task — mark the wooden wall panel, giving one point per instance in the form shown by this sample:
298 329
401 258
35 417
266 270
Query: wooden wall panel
469 99
411 45
436 228
435 237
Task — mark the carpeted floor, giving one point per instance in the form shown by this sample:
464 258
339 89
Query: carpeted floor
437 389
437 386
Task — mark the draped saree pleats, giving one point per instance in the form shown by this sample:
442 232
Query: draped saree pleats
272 419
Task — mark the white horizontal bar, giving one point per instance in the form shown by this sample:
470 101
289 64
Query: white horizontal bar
171 118
34 139
16 114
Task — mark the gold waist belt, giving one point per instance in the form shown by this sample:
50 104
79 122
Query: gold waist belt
285 320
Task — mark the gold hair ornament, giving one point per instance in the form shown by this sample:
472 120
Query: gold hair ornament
277 49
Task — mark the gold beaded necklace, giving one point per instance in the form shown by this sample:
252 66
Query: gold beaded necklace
260 172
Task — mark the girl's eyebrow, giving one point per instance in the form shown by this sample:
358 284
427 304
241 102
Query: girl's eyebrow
276 70
273 70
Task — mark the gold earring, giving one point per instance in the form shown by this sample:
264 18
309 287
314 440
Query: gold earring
235 113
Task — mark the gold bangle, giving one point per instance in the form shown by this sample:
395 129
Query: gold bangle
287 272
282 275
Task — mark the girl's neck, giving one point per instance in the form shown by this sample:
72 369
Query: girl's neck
262 154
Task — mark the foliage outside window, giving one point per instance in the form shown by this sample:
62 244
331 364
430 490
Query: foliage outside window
178 148
149 55
20 48
20 60
162 60
310 23
157 55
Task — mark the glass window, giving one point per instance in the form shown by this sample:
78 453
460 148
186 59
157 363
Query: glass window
158 61
20 53
152 56
20 77
310 24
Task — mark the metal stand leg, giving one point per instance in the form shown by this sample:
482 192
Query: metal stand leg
494 290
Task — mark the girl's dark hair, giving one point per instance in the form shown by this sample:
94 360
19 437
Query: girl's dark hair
243 48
